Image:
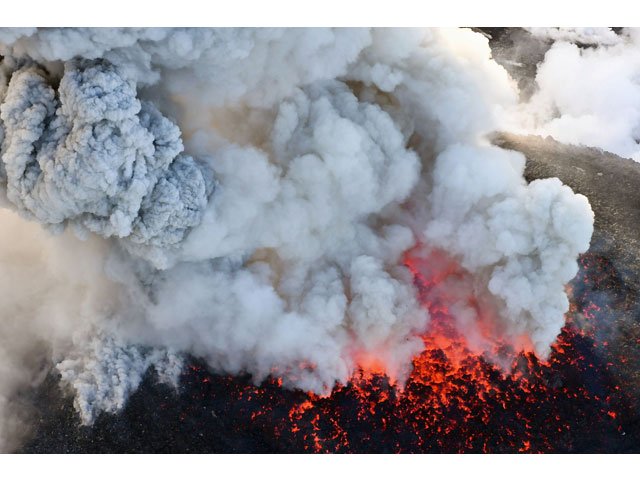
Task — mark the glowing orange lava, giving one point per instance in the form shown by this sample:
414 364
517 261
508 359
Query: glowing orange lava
456 400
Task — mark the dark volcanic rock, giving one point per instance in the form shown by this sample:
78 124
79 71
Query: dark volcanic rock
519 53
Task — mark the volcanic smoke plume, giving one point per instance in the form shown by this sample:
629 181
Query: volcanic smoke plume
251 197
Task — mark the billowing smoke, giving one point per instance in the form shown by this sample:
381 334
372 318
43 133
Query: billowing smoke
272 242
521 239
589 90
93 156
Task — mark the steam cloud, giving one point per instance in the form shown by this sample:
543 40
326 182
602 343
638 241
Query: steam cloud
589 96
315 159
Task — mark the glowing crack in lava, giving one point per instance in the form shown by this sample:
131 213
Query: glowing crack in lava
456 400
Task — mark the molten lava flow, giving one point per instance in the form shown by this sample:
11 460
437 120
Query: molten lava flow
456 400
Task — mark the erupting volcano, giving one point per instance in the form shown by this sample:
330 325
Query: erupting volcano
319 240
581 399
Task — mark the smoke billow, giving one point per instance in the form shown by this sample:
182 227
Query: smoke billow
588 90
273 241
93 156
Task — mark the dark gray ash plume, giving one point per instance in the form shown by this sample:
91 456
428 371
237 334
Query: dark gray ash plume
91 154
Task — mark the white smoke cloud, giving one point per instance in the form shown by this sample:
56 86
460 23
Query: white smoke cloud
103 373
583 35
321 268
589 96
218 66
316 159
521 238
